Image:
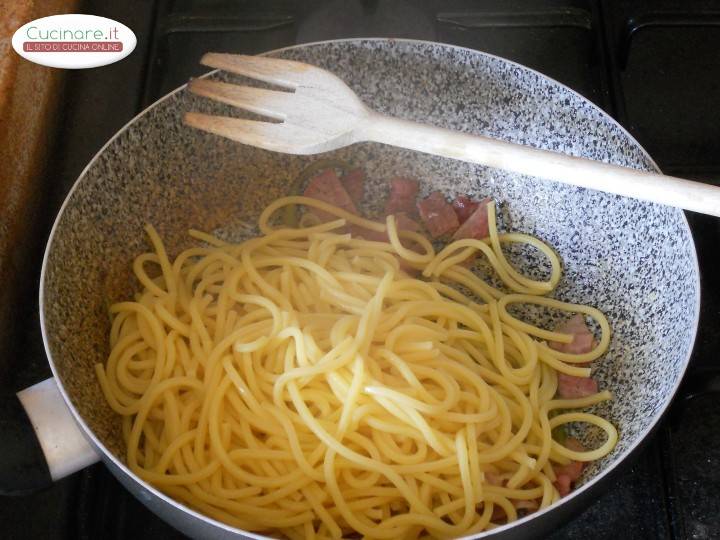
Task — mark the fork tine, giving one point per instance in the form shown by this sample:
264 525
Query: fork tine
281 137
285 73
258 100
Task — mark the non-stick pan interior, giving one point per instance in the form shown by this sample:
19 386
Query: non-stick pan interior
634 261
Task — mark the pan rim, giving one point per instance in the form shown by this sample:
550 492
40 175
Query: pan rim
106 454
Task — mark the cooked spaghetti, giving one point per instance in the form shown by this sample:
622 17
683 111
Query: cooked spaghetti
309 383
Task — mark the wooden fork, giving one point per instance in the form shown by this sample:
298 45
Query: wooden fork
319 113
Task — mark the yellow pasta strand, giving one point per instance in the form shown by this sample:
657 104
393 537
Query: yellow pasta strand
304 384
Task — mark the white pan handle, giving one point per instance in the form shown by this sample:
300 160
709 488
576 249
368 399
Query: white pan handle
63 443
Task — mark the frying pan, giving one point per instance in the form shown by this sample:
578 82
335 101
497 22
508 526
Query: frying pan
635 261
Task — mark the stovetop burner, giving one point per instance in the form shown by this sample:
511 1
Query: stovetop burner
651 64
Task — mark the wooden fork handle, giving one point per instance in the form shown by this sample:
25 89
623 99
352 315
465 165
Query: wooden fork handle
643 185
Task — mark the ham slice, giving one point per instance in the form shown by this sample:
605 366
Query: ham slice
582 337
575 445
327 187
572 470
406 223
568 474
464 207
569 386
476 225
403 192
354 183
437 215
575 468
563 484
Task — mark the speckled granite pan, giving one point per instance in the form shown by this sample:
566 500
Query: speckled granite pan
635 261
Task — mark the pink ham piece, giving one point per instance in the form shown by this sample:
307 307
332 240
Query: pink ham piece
406 223
572 470
327 187
403 192
582 337
571 443
569 386
354 182
476 225
437 215
464 207
568 474
563 484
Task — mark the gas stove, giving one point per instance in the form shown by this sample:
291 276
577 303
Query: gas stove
653 65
